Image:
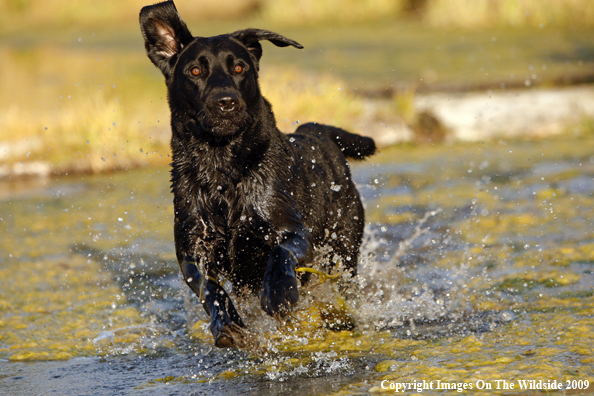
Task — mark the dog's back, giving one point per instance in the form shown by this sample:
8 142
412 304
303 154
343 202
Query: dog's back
326 194
352 145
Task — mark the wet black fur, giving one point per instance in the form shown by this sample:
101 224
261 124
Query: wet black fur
251 204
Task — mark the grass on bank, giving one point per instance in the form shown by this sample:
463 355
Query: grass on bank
95 112
102 110
17 15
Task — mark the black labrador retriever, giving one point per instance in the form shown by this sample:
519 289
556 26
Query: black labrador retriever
251 203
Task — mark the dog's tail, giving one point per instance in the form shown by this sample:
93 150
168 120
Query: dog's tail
352 145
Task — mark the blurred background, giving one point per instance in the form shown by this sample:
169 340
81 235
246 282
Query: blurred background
77 93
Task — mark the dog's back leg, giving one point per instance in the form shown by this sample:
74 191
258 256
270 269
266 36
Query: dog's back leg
348 240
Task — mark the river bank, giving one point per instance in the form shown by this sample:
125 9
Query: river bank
437 117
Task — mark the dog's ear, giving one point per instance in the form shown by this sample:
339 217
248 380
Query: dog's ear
251 37
165 34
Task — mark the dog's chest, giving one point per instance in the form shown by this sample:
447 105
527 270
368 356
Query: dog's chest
248 231
240 207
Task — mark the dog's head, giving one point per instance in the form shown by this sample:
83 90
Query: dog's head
214 80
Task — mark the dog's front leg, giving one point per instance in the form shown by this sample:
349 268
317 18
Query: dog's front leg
279 287
225 323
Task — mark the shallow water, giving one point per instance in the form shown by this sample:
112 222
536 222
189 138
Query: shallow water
477 266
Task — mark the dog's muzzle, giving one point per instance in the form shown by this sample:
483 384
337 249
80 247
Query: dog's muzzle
226 102
224 114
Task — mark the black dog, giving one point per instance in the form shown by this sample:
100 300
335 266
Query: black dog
251 204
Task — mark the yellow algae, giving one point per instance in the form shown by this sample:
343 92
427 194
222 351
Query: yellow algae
502 360
549 193
387 365
61 356
354 344
25 345
29 355
228 374
52 317
4 304
200 330
33 309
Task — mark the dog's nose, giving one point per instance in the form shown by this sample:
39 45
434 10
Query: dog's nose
226 101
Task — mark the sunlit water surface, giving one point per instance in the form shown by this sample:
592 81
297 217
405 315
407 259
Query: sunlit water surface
477 265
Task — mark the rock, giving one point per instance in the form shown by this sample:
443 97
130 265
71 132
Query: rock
479 116
25 169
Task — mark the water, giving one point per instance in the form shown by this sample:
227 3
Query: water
477 266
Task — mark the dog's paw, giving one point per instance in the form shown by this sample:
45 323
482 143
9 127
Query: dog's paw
228 334
279 289
234 335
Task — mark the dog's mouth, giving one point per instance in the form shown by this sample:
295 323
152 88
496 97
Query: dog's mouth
225 127
222 128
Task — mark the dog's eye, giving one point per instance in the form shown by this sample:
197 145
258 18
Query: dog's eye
238 69
195 71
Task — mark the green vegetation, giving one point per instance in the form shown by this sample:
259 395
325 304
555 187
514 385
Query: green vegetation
92 111
19 14
72 109
479 13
